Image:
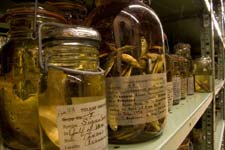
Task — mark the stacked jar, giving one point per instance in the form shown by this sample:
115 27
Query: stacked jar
133 57
21 75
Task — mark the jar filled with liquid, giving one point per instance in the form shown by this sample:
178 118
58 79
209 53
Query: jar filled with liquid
169 75
72 100
20 76
203 74
176 79
184 49
136 76
183 74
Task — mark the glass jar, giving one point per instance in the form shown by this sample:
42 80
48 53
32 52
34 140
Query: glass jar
74 12
169 75
184 49
176 80
20 77
183 74
72 99
203 74
136 75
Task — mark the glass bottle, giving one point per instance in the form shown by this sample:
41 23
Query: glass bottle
136 76
20 77
203 74
176 80
169 75
184 49
183 74
72 100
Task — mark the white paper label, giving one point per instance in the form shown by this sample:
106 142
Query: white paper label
170 94
176 88
83 126
190 85
137 99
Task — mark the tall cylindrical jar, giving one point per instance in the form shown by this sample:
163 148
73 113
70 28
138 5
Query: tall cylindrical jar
20 77
176 80
169 77
184 49
136 76
72 100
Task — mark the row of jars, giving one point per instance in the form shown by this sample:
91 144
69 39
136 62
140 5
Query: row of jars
186 76
55 92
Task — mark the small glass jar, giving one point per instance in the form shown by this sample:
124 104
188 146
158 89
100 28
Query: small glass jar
176 80
203 74
72 99
20 77
169 75
74 12
183 67
184 49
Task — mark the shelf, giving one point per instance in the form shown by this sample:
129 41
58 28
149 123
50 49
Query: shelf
219 134
219 84
218 30
180 122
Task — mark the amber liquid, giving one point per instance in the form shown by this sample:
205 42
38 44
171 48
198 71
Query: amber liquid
59 88
203 83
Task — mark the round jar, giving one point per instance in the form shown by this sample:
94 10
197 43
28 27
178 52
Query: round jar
72 100
20 77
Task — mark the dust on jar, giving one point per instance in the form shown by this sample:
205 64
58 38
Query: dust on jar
72 99
20 76
203 74
136 75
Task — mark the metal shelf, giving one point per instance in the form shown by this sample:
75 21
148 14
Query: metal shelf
218 30
219 84
219 134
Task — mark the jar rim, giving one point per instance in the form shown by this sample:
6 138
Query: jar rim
28 8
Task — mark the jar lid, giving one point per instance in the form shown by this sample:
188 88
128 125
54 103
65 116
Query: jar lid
182 46
28 8
71 32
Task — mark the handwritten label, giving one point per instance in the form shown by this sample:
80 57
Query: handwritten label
176 90
83 126
190 85
137 99
169 90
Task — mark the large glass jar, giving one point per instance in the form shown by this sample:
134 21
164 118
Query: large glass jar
136 75
72 99
184 49
176 80
20 77
203 74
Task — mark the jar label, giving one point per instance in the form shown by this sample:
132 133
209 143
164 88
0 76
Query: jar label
170 94
190 85
183 87
83 126
137 99
176 88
